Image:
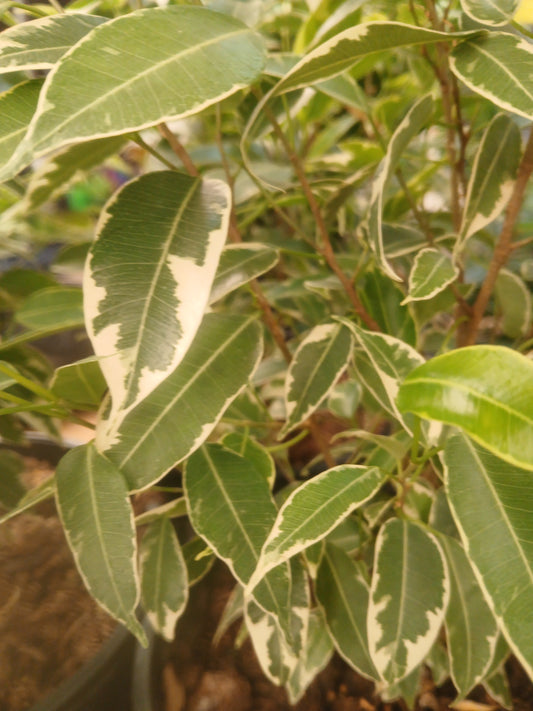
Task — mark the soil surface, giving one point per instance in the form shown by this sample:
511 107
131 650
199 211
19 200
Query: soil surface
49 625
196 676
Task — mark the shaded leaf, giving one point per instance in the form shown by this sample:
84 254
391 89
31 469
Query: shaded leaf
11 487
147 280
179 414
81 383
496 65
485 390
343 594
491 12
164 584
408 598
239 264
198 558
513 301
492 501
250 449
17 107
53 309
101 537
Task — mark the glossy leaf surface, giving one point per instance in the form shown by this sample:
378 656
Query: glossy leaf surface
17 106
433 270
491 12
492 501
485 390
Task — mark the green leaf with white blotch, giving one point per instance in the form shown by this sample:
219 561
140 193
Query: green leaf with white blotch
409 128
176 418
318 362
433 270
239 264
492 179
39 44
343 595
250 449
317 652
408 598
17 107
186 59
513 303
485 390
54 309
230 507
147 279
471 630
491 12
55 174
314 509
164 582
497 66
11 487
406 689
97 517
276 659
491 502
382 363
80 383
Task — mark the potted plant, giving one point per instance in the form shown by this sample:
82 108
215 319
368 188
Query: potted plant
325 242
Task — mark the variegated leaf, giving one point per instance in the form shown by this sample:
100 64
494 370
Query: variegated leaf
164 583
471 630
55 174
408 598
317 364
383 364
314 509
239 264
38 44
496 65
408 129
17 107
147 280
343 595
513 303
277 660
491 12
231 507
485 390
186 58
176 418
199 559
492 501
251 450
432 271
101 536
492 179
316 654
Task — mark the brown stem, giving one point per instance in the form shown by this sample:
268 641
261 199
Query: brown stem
325 248
504 246
179 150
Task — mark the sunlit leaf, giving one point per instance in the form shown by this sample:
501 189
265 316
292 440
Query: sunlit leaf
491 12
432 271
80 383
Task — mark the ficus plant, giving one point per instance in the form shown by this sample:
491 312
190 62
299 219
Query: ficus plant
310 299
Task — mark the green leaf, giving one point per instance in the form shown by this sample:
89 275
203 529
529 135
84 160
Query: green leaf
408 129
317 364
492 179
513 302
432 271
64 167
96 513
54 309
471 630
343 595
175 508
17 107
383 300
497 66
382 363
491 12
164 583
314 509
485 390
277 660
185 59
492 501
179 414
254 452
34 496
38 44
11 487
239 264
316 654
81 383
147 280
408 598
199 559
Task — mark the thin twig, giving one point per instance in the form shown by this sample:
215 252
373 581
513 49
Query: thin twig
178 149
149 149
504 246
